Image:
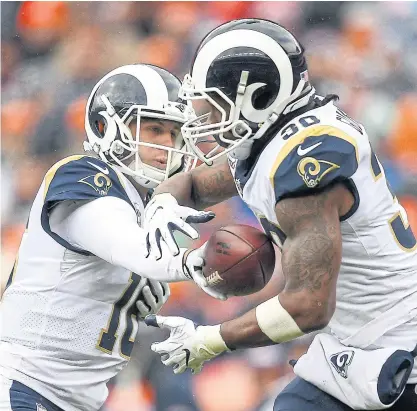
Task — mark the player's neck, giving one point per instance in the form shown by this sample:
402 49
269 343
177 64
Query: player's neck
143 191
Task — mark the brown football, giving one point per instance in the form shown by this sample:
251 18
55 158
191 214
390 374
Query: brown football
239 260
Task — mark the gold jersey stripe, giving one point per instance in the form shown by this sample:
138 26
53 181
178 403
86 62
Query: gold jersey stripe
299 138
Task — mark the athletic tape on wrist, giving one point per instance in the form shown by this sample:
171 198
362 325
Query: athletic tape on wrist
212 338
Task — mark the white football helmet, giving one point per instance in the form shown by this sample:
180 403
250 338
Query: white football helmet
253 72
130 93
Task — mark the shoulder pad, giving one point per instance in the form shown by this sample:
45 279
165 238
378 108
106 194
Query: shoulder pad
78 178
313 159
82 178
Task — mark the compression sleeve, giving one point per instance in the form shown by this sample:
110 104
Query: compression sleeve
107 227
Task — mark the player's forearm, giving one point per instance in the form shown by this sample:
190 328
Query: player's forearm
244 332
107 228
310 262
277 320
268 323
201 187
180 187
310 266
168 268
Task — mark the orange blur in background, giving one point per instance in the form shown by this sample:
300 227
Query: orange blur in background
54 52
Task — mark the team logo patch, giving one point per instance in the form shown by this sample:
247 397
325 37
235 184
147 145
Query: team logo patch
312 170
341 362
99 182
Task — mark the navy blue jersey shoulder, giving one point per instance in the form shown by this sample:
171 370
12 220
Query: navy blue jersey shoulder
313 162
82 178
79 178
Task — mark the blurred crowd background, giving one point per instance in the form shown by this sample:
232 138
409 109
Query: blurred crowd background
52 54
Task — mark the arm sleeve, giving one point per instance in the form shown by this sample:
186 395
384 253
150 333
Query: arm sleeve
314 163
107 227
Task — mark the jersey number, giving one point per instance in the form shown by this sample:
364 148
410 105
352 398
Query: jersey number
292 128
108 336
401 230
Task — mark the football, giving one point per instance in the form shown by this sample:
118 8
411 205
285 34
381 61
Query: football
239 260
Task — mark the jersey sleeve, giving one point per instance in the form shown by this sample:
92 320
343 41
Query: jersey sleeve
78 178
314 162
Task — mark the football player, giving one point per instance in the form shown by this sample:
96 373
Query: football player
81 280
308 172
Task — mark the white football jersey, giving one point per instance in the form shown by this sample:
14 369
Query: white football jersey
379 252
68 317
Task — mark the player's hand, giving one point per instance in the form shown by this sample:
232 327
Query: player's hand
162 216
193 269
188 345
152 297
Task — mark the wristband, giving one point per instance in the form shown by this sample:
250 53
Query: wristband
275 321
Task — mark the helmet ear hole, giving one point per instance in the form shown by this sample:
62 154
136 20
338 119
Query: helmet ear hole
119 150
263 97
101 127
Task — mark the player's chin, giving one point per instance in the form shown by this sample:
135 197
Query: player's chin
228 135
222 143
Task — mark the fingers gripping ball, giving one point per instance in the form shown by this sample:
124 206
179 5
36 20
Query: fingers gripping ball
239 260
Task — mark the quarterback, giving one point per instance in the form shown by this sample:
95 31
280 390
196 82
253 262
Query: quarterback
310 175
81 280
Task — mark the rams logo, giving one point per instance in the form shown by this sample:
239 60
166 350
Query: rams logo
99 182
341 362
312 170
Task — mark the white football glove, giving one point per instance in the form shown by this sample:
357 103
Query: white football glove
188 345
162 216
193 269
152 297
